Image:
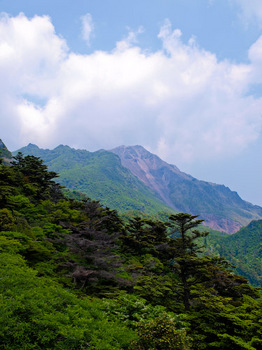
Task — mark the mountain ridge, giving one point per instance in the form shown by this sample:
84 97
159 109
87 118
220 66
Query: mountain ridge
221 208
131 178
143 172
101 176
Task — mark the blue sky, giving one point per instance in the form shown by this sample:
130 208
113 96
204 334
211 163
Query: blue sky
180 77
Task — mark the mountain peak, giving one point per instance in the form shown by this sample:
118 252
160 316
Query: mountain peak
32 146
139 155
63 147
137 149
150 169
221 208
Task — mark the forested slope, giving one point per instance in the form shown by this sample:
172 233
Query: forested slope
244 250
74 276
5 154
99 175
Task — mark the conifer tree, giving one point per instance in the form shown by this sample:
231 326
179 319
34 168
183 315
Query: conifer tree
186 262
37 176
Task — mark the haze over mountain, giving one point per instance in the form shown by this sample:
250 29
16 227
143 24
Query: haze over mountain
142 181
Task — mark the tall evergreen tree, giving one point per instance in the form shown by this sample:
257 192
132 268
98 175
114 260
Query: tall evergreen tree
39 179
186 261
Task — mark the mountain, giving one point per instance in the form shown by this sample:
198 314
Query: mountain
5 154
221 208
101 176
131 178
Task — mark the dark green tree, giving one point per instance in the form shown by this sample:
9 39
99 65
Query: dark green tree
38 179
10 183
186 262
145 236
161 333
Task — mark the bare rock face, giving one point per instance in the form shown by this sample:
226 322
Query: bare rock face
221 208
150 169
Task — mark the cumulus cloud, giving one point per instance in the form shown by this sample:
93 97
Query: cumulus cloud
179 102
87 27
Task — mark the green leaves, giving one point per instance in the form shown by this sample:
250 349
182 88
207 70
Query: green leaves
53 249
41 314
36 173
161 334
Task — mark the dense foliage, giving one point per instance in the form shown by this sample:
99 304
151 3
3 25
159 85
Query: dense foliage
74 275
244 250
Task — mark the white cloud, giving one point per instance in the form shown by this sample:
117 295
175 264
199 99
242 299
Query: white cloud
130 40
87 27
30 54
250 10
179 102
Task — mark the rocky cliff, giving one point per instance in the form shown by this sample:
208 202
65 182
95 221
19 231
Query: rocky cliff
221 208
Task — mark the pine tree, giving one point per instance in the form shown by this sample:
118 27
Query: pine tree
186 262
39 179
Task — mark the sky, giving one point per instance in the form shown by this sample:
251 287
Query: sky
183 78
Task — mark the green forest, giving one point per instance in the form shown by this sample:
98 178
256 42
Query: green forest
75 275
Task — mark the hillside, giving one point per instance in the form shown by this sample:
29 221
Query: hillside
5 154
79 168
74 276
100 176
221 208
244 250
131 179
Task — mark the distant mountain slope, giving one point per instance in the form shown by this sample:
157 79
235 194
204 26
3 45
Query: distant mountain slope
5 154
244 250
142 181
221 208
101 176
